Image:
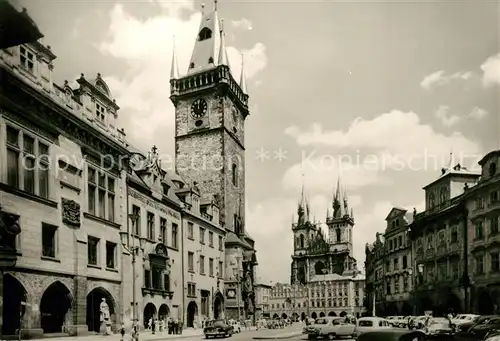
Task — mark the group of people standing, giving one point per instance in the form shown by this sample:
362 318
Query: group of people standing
170 324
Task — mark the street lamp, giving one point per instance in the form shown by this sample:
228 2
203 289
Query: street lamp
128 243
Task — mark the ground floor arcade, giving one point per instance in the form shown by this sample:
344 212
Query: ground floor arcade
302 315
51 304
204 308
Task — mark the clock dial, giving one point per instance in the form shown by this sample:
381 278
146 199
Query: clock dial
231 293
199 108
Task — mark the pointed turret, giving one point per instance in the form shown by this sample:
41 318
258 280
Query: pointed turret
223 59
337 206
174 70
243 77
346 202
207 45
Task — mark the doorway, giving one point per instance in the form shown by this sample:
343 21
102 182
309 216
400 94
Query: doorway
54 306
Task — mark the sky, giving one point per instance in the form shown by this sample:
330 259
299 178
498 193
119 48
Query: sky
376 93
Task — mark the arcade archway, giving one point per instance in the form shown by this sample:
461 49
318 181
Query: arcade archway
295 317
332 313
342 314
391 309
453 304
192 311
218 304
485 305
425 304
94 300
314 315
303 316
322 314
284 316
163 312
407 309
54 305
13 294
149 313
276 316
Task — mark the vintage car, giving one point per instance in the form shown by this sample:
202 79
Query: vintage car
464 328
479 331
392 335
368 324
440 327
463 318
396 321
217 328
492 335
331 328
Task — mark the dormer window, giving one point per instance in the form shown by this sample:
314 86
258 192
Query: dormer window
100 112
191 66
204 34
442 195
27 59
493 169
210 60
432 200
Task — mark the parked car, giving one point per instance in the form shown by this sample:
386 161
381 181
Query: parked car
368 324
396 321
440 327
492 335
392 335
479 331
464 328
331 328
217 328
463 318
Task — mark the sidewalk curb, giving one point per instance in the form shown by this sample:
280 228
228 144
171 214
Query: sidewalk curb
278 337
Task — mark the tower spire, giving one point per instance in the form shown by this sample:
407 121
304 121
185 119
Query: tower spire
337 205
174 70
207 45
243 77
223 59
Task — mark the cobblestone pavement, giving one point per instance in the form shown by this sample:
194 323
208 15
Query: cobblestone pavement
188 335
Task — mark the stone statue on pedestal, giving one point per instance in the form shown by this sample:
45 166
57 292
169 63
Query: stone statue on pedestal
105 327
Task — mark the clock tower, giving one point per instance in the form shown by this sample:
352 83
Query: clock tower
210 112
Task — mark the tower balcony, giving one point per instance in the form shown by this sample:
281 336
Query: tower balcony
205 80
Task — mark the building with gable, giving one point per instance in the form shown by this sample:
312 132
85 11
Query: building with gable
325 266
62 183
210 111
389 268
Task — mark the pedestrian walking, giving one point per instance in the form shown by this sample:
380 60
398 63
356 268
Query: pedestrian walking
122 332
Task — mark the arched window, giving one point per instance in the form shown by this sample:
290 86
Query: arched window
442 195
301 241
204 34
234 174
432 200
339 235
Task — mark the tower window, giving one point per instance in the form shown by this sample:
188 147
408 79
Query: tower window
204 34
234 174
301 241
338 235
210 60
493 169
191 66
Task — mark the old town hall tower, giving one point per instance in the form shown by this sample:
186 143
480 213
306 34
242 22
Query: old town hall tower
210 112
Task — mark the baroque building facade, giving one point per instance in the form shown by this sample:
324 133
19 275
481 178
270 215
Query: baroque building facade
262 296
210 111
324 267
389 269
483 206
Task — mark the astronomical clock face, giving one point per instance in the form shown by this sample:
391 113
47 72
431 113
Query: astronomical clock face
231 293
199 108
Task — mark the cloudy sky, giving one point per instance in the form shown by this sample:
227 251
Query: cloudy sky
376 92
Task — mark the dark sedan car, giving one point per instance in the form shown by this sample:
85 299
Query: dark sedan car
463 328
392 335
217 328
479 331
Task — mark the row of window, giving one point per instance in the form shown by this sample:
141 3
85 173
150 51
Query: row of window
493 259
28 62
202 233
156 278
93 253
493 198
151 228
396 243
201 264
394 287
395 265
